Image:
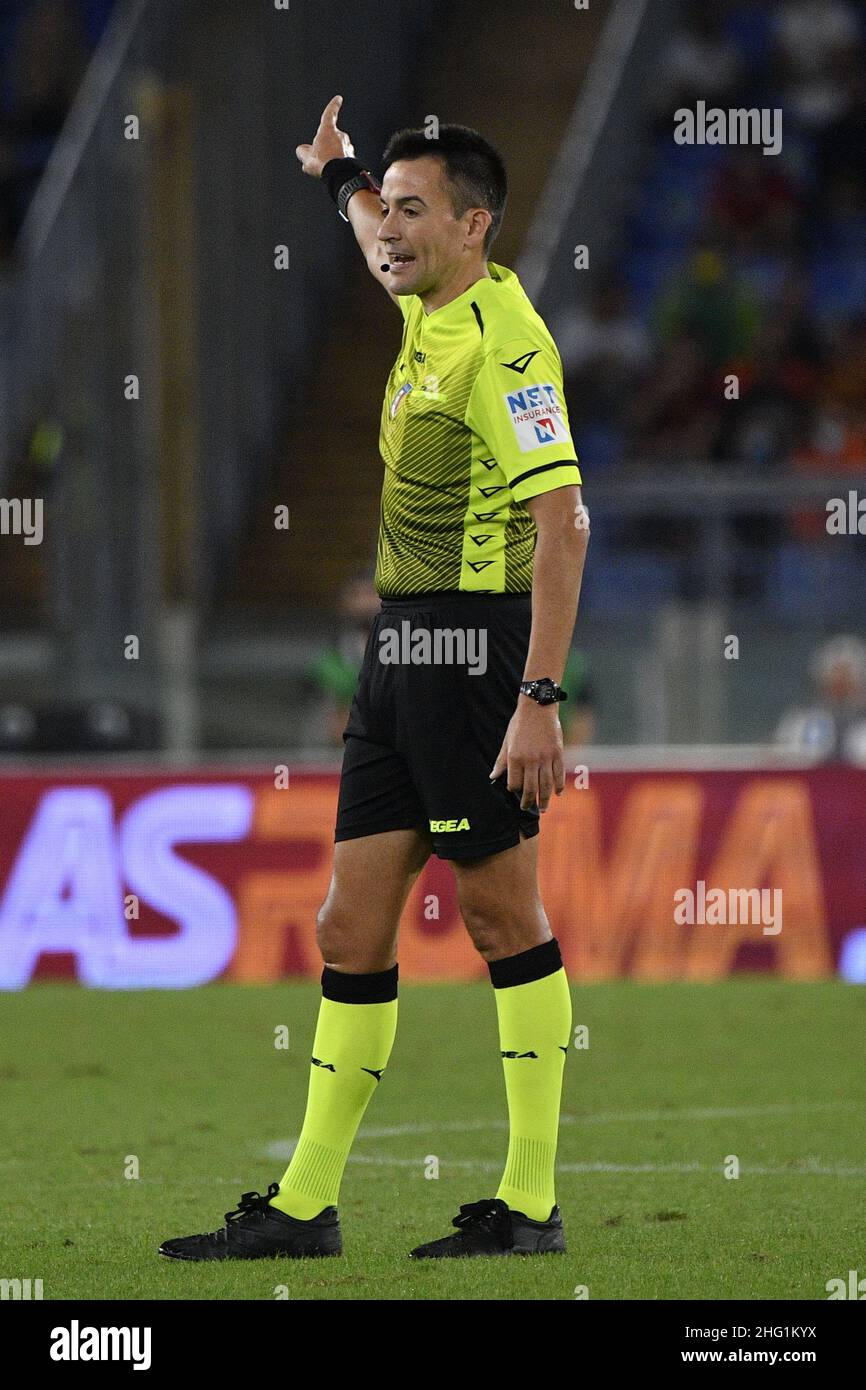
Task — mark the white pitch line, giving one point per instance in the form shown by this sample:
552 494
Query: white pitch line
483 1165
283 1148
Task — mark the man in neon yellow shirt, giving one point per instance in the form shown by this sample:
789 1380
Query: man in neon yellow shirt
453 744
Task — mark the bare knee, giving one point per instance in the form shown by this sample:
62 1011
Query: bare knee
347 941
334 932
501 929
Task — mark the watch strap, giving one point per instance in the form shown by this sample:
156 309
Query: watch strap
343 177
362 180
337 171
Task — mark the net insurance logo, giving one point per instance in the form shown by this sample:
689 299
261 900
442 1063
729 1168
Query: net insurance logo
536 416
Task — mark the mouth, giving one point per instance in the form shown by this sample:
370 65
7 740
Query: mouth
399 260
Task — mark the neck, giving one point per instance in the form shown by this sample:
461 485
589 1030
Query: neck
458 284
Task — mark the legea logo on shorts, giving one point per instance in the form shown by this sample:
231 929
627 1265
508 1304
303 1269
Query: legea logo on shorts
444 827
436 646
536 416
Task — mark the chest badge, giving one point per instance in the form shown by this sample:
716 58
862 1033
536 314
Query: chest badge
399 398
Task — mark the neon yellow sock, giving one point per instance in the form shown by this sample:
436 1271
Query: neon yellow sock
534 1031
352 1045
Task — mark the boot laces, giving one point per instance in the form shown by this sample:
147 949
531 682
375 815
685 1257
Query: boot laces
253 1203
489 1211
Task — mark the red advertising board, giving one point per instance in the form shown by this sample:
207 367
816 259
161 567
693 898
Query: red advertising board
172 879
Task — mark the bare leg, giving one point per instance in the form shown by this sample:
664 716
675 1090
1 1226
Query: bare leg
372 877
500 902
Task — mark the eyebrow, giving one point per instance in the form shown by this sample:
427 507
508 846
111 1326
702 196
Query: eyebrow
408 198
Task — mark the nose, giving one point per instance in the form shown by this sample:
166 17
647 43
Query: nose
385 233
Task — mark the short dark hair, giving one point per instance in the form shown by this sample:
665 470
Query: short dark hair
473 168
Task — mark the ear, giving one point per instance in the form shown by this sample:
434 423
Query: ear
479 219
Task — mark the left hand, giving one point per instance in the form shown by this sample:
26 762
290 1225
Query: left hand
532 753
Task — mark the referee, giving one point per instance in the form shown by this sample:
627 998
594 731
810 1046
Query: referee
453 744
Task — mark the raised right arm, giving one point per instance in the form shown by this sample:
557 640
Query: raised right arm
364 207
364 211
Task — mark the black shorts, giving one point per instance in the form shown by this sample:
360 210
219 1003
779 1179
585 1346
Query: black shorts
422 738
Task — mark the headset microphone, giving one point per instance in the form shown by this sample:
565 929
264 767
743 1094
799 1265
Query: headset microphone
386 266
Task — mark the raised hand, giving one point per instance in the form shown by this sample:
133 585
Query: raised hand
329 142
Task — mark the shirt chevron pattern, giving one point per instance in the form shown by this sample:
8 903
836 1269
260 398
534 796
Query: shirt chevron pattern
473 423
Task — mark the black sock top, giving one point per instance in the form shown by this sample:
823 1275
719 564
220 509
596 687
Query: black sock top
377 988
529 965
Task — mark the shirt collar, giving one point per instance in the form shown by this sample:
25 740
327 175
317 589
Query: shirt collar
498 274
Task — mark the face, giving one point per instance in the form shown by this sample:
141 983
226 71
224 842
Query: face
424 242
841 682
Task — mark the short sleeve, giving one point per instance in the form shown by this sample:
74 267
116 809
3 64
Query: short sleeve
517 409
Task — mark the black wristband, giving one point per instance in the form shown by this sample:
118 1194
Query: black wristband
337 172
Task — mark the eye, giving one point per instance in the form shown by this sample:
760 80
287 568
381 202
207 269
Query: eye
411 212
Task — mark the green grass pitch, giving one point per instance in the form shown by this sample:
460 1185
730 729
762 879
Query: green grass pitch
676 1078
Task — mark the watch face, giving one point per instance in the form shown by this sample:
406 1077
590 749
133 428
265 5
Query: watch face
543 691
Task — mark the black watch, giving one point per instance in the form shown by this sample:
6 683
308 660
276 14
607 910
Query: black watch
362 180
545 691
343 177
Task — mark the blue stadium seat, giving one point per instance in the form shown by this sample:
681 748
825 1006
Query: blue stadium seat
749 27
96 14
765 274
816 581
667 217
839 283
599 448
619 583
646 273
844 236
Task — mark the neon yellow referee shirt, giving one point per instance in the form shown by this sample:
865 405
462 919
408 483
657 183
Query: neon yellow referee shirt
473 423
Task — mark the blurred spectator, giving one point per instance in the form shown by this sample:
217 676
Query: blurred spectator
333 674
841 151
792 312
673 415
836 444
817 45
770 293
777 382
708 300
603 349
834 727
699 63
753 204
841 212
846 378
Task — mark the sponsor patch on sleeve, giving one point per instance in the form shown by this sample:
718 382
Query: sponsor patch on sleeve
536 415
